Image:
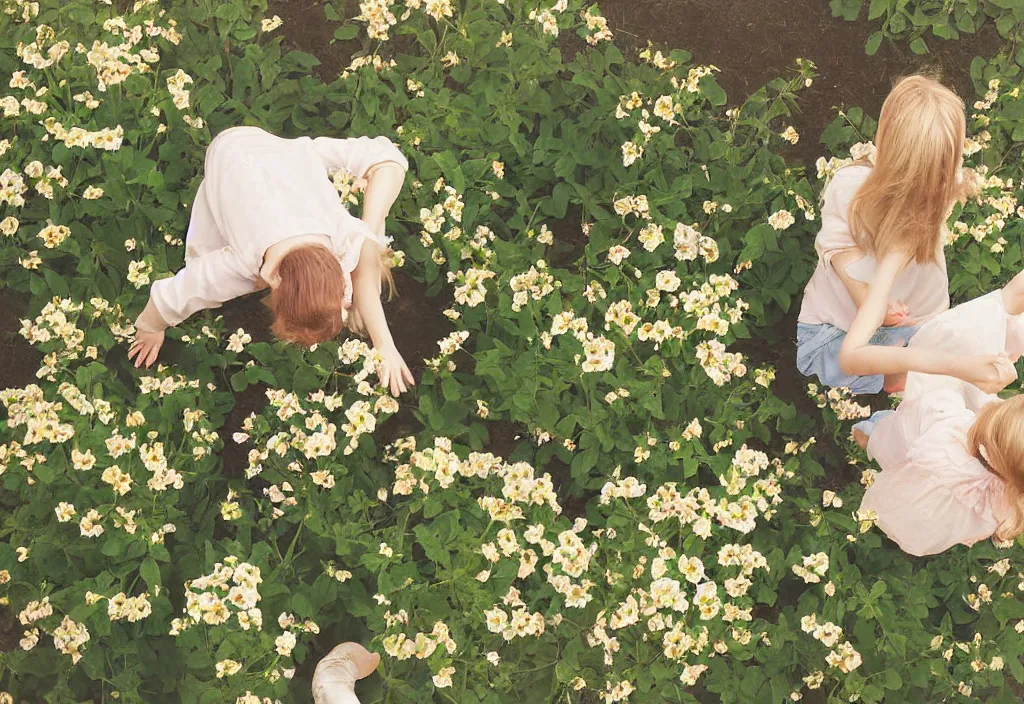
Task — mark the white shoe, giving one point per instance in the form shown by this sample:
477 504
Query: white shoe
335 676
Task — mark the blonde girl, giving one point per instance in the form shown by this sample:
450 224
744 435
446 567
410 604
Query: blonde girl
898 204
952 454
267 216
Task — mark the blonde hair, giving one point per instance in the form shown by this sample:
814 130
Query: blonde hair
997 439
909 193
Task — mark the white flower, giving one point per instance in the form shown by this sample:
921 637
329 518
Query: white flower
284 643
238 340
631 152
781 220
444 678
9 225
269 25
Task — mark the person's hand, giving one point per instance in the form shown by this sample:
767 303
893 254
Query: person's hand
393 372
896 315
145 347
989 372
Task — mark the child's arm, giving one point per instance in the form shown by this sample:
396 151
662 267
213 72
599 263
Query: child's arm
394 373
895 313
357 155
858 357
384 183
205 282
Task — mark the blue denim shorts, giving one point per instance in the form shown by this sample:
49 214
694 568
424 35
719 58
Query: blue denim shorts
868 426
817 354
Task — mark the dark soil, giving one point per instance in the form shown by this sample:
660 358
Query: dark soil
754 42
9 630
307 29
416 321
18 360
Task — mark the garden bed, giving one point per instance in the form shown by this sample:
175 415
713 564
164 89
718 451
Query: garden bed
601 258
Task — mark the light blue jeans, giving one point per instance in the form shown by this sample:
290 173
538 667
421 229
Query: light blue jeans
817 354
868 426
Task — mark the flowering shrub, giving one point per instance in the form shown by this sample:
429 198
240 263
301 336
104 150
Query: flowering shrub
608 236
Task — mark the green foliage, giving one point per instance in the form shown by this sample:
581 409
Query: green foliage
654 494
915 20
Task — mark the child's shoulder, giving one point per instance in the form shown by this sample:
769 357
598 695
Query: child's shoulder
848 179
857 171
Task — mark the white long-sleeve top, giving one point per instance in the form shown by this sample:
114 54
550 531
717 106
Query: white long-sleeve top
258 190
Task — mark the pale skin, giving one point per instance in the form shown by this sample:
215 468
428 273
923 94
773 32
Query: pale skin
329 687
896 313
991 373
1013 301
382 185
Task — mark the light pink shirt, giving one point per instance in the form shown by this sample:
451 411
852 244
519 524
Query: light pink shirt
931 493
923 287
259 189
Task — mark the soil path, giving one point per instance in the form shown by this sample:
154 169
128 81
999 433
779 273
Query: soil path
753 42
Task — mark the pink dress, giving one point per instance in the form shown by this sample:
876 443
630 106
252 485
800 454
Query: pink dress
923 287
932 493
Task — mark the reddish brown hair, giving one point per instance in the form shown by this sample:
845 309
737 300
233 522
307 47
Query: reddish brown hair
307 303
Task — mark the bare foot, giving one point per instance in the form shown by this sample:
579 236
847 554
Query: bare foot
336 674
860 438
366 662
894 383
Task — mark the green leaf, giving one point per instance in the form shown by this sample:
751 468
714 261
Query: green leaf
150 572
239 381
918 46
877 9
432 545
712 91
226 11
560 199
57 284
893 680
346 32
873 43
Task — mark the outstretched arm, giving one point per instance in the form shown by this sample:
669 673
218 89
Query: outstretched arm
206 282
989 372
383 184
394 373
895 313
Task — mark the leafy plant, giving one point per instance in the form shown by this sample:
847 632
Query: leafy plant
912 20
602 492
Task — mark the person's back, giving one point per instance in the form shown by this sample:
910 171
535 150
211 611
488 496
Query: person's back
900 203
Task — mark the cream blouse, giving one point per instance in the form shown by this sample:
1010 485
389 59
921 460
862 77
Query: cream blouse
923 287
258 190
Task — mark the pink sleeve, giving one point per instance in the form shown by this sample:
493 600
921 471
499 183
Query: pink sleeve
894 435
358 154
1015 335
